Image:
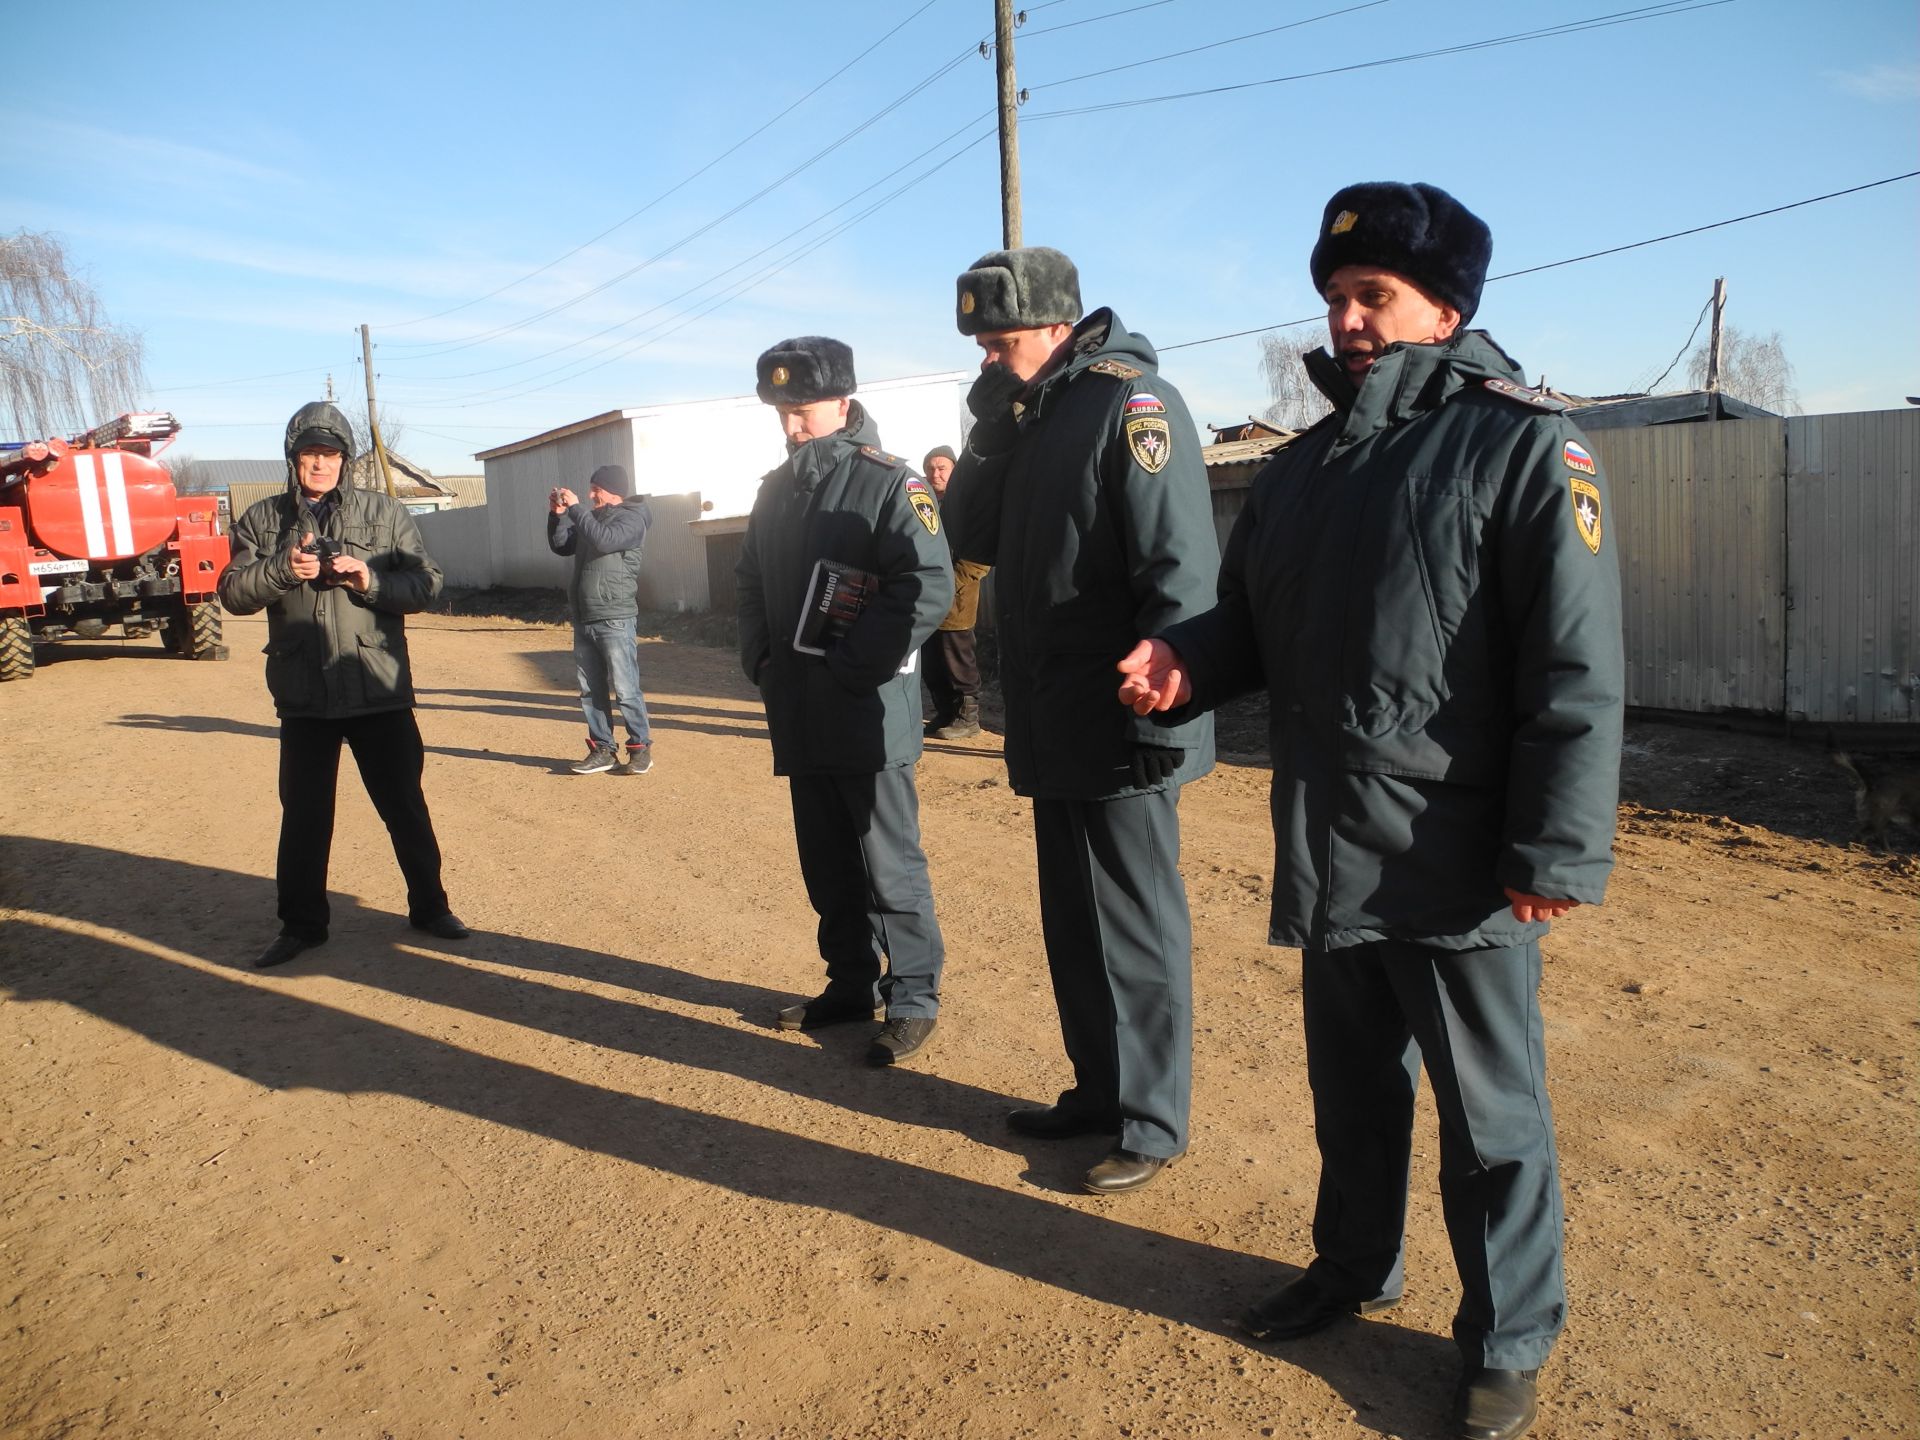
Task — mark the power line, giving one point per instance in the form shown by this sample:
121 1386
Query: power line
688 239
715 303
1594 255
665 194
1091 19
711 279
1571 27
1649 387
1198 49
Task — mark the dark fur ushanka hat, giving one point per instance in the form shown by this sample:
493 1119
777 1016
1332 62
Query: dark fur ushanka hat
1017 290
804 369
1419 231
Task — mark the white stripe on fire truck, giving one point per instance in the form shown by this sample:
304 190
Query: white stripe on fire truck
117 509
96 533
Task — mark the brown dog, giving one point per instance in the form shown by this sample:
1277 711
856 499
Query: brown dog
1883 795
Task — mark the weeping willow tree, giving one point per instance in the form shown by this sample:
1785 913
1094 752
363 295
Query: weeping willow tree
1296 402
63 366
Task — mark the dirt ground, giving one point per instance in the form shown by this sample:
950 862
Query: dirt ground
564 1180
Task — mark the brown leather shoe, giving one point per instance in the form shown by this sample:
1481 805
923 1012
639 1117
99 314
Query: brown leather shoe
1122 1171
1059 1122
1302 1308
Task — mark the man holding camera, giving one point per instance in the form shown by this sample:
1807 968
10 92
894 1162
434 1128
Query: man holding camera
336 568
604 540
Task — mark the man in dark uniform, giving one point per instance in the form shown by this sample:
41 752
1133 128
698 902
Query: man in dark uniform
1082 483
950 658
337 569
842 576
1422 583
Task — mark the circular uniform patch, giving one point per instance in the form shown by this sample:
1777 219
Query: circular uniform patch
1150 441
1586 510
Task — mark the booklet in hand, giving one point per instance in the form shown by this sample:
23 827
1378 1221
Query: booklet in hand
836 595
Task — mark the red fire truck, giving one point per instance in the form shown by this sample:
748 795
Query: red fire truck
93 535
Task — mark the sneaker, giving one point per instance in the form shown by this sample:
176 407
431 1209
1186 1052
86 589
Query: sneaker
900 1039
639 759
598 760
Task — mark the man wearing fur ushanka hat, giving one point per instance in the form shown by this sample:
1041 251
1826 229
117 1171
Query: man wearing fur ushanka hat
1082 482
843 574
1423 585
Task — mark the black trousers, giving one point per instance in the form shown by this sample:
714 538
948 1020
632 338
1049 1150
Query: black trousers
951 665
859 841
1120 953
388 750
1373 1014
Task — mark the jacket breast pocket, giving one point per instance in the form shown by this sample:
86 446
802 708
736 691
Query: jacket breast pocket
1444 525
363 541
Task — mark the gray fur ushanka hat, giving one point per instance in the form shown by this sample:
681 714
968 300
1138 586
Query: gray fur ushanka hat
804 369
1017 290
1419 231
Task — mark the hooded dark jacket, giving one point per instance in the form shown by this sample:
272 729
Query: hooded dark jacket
1413 583
604 542
332 653
1091 551
841 498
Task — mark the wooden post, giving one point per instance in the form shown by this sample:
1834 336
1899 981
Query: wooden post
1713 349
1009 125
373 411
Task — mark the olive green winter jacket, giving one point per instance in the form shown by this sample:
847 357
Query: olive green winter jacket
1426 586
852 710
1100 527
332 653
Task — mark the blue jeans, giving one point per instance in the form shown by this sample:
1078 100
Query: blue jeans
603 660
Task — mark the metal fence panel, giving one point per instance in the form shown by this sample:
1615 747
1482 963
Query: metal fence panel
1855 565
1700 525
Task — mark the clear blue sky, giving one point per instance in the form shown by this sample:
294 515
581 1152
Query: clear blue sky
246 184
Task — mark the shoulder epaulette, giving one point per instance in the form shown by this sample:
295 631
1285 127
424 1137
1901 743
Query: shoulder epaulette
881 457
1118 369
1520 394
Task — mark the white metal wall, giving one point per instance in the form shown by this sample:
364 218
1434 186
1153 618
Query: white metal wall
1853 643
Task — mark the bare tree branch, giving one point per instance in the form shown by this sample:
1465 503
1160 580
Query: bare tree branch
63 368
1753 368
1297 401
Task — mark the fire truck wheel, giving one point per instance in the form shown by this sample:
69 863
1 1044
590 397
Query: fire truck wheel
193 633
16 649
202 635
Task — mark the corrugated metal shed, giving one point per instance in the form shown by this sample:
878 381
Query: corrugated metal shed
1700 525
1853 640
1618 412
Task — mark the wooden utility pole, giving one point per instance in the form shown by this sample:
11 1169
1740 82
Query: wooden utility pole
1713 345
373 411
1009 125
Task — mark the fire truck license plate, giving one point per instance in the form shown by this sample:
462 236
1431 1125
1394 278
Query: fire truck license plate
56 567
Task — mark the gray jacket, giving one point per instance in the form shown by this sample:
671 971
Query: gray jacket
605 543
1425 585
332 653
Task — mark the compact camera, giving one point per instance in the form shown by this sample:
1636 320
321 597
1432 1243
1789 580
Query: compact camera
324 547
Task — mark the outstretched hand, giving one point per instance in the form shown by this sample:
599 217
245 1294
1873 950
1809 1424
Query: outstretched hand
1155 678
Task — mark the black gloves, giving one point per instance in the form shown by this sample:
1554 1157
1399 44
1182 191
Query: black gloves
991 402
1154 764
